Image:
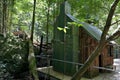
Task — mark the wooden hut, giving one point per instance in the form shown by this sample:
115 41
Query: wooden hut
76 45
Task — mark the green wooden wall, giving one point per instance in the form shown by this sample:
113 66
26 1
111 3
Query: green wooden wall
65 45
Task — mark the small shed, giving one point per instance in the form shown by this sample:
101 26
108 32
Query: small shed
76 45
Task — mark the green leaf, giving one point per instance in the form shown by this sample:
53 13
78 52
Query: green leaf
80 25
75 24
59 28
65 31
72 23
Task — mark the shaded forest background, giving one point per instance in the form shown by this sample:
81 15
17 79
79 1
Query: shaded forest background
16 15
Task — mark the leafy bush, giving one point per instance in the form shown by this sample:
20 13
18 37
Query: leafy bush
4 74
13 54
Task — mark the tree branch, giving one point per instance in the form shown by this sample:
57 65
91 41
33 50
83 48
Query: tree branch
109 19
115 22
114 36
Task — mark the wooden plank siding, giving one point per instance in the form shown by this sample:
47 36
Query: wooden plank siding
87 45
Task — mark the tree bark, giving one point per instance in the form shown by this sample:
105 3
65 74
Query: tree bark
115 22
33 21
32 62
47 26
114 36
4 24
100 46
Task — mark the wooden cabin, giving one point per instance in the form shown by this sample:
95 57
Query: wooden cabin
76 45
89 37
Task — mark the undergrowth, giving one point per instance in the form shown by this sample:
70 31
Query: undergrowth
13 57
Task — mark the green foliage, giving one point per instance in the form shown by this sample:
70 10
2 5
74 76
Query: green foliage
75 24
13 53
4 74
91 10
85 8
63 29
22 16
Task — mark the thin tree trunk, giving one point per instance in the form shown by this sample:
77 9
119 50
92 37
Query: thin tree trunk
33 21
4 23
11 6
0 16
47 26
100 46
3 19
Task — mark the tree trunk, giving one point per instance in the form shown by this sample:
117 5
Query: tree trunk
0 16
100 46
32 62
4 14
4 23
10 14
33 21
47 26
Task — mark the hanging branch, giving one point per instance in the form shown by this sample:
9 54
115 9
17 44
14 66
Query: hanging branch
33 21
100 46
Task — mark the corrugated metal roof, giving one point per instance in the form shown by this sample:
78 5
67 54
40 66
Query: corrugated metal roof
92 30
